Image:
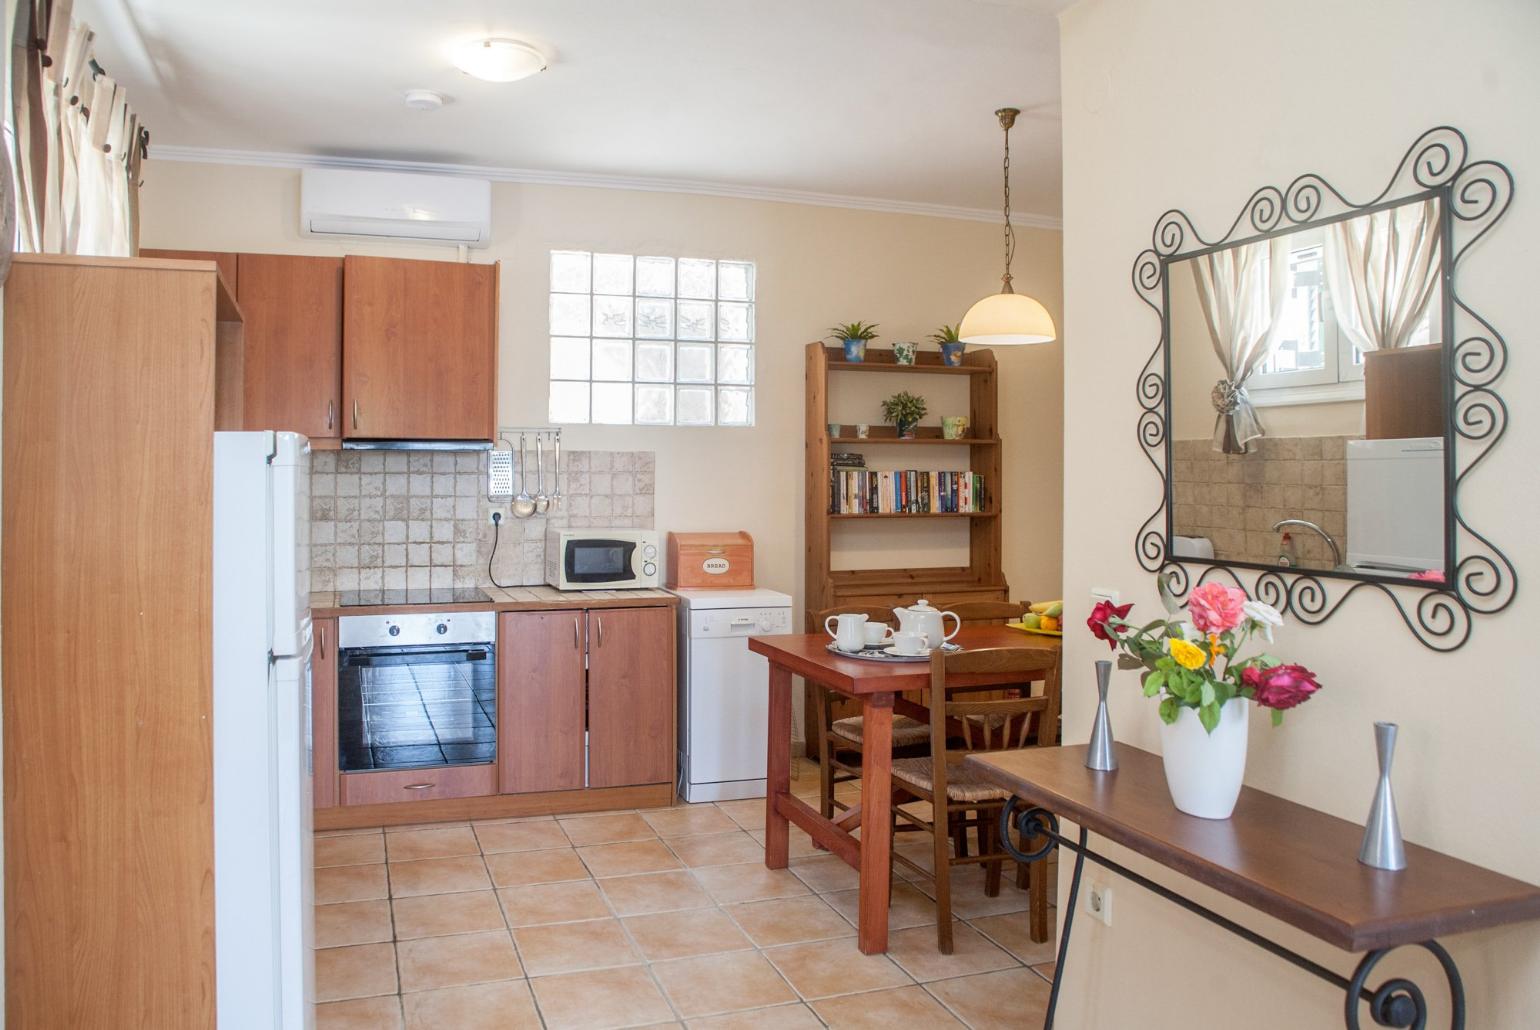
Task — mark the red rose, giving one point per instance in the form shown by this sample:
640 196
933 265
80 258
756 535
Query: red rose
1104 611
1281 687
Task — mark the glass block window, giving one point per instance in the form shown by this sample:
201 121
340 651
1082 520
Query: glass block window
651 341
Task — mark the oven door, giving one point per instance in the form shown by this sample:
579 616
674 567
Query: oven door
591 561
416 707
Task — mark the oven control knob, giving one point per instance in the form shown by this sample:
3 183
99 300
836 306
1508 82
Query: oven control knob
649 569
443 628
649 551
395 631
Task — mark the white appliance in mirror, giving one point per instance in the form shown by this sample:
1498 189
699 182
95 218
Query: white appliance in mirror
1395 502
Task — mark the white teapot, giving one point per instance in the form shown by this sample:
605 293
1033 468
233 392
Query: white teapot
925 620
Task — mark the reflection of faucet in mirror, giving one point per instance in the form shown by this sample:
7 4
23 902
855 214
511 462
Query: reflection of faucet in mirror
1336 552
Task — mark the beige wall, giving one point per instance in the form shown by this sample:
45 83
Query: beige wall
816 266
1193 104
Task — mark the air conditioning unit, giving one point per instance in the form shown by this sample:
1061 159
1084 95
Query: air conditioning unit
338 202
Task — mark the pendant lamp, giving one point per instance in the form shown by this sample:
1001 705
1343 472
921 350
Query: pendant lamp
1007 318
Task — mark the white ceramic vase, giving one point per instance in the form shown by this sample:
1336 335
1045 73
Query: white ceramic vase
1204 770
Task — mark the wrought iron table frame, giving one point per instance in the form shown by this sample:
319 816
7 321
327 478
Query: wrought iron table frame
1398 1002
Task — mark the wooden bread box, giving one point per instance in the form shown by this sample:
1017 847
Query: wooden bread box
711 560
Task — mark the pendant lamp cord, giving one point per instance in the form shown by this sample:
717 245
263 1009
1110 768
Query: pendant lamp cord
1007 116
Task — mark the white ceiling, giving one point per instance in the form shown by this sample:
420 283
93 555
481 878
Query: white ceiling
887 100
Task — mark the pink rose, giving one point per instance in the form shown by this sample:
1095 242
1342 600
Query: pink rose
1282 686
1216 608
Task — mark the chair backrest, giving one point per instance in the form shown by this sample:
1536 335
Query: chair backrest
985 611
991 724
873 613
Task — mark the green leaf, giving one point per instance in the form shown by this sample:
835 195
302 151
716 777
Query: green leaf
1206 694
1153 682
1167 598
1208 715
1130 661
1277 716
1169 709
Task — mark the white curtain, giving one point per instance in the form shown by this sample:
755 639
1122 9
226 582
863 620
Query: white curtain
1242 291
1383 272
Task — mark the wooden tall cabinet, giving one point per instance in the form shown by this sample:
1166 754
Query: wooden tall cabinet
113 377
323 712
293 309
419 350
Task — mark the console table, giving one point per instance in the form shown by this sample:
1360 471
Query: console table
1294 863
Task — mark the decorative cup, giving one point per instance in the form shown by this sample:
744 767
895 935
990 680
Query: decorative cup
878 633
952 352
904 352
848 631
834 428
863 430
910 643
954 427
855 350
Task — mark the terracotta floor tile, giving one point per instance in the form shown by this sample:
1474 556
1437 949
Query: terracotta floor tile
699 931
778 1017
643 856
1046 970
352 922
360 971
505 1005
789 921
356 831
521 868
414 827
606 829
798 843
1011 932
822 969
350 883
722 983
733 848
654 892
538 835
732 884
383 1013
354 849
882 1010
688 820
553 903
1006 1000
969 900
421 844
437 915
599 999
826 873
438 876
909 907
568 947
749 814
915 950
466 958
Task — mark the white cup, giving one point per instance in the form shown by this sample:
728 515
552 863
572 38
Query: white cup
848 631
878 633
910 643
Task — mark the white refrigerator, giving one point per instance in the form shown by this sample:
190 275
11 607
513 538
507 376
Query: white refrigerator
264 927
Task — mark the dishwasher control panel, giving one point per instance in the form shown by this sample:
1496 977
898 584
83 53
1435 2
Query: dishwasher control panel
740 622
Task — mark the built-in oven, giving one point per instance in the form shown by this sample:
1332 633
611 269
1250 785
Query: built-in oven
416 691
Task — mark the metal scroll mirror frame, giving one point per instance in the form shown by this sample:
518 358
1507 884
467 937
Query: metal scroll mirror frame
1472 196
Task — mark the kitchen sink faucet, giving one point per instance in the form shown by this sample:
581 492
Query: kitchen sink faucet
1336 552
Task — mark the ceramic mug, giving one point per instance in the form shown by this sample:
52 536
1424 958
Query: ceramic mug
910 643
863 430
954 427
834 429
878 633
848 631
904 351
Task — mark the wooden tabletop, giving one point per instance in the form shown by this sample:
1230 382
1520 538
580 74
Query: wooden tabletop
808 654
1295 863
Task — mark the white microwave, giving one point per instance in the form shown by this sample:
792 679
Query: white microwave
602 559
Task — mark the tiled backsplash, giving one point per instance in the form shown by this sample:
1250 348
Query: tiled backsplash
407 519
1236 499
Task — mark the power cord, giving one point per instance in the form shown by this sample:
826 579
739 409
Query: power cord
497 533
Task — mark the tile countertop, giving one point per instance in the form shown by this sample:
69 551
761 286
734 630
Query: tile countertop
323 604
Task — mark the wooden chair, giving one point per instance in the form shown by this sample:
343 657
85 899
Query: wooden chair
957 796
980 612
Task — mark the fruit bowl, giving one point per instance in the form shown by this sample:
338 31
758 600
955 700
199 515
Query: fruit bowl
1029 629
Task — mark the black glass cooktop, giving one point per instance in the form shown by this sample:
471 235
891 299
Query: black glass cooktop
434 595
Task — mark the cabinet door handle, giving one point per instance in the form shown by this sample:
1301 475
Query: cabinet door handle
417 786
355 413
577 638
599 619
323 641
331 413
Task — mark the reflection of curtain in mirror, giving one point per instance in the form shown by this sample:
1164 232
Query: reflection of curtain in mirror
1242 291
1383 271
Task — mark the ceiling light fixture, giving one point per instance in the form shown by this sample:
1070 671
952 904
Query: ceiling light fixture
424 99
498 60
1007 318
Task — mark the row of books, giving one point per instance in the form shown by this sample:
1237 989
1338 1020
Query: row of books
860 491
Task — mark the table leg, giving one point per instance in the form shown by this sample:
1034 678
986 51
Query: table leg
777 767
1069 920
877 830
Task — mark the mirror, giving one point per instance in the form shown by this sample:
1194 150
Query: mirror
1307 389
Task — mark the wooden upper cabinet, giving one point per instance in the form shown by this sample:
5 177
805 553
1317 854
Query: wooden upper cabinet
224 259
293 311
419 350
540 701
631 693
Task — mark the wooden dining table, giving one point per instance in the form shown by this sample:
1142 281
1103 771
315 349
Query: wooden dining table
878 687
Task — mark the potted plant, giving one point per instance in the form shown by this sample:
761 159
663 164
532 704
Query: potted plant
951 347
854 337
904 410
1194 665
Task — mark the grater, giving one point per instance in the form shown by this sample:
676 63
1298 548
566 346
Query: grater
500 476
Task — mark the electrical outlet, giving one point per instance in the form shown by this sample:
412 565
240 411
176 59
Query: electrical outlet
1105 594
495 516
1098 903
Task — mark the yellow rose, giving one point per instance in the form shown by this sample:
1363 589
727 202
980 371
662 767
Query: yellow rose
1188 656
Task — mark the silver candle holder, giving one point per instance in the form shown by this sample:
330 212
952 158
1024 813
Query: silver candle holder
1383 847
1099 754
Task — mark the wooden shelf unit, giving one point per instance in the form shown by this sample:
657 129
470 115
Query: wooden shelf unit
982 579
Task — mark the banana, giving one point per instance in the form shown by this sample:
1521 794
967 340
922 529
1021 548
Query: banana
1044 607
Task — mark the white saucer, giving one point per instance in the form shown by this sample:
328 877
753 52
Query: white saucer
896 653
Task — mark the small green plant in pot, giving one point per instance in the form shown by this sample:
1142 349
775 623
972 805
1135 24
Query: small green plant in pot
904 410
951 347
854 337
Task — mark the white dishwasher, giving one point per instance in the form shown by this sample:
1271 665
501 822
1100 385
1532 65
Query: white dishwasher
723 695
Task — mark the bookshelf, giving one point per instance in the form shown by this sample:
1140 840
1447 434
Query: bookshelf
982 579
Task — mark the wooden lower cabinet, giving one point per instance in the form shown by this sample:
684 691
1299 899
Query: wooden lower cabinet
630 696
540 701
323 712
451 781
